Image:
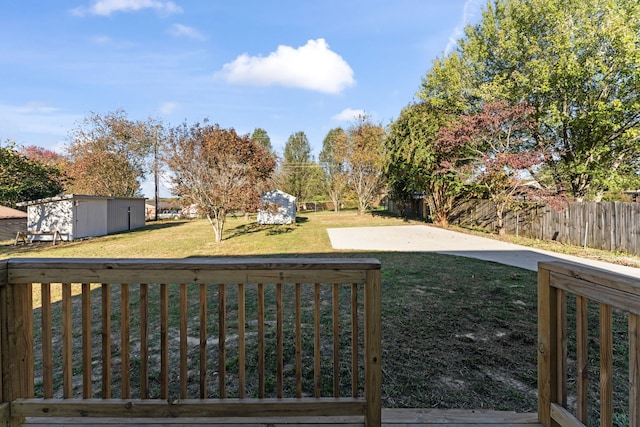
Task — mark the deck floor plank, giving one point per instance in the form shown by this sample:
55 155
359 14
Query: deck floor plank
390 418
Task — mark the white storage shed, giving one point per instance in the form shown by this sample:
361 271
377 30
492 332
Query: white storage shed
280 208
76 216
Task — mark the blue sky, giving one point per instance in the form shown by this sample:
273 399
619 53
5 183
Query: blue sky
284 66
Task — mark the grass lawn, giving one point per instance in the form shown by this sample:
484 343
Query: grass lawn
457 332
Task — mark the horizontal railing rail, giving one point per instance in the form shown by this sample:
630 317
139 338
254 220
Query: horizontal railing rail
222 337
613 293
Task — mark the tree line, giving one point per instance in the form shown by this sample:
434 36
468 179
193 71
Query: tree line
213 168
539 101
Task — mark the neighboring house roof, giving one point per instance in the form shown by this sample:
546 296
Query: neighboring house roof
6 213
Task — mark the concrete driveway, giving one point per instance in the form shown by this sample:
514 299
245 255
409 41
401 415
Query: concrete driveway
424 238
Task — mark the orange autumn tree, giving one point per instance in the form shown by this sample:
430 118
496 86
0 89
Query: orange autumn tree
217 170
109 155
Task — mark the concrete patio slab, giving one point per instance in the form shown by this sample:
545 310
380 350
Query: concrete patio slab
425 238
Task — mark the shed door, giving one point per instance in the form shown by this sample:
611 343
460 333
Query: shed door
82 226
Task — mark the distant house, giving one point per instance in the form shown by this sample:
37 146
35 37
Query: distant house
278 208
76 216
11 222
166 210
169 210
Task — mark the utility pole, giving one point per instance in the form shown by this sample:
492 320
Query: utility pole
155 171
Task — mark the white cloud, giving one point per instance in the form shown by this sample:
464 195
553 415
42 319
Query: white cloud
312 66
167 108
107 7
179 30
470 11
348 114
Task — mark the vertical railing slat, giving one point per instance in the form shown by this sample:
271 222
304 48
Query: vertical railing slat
561 345
203 341
298 340
106 341
336 341
47 351
582 359
261 366
241 342
606 366
86 341
316 340
222 337
354 340
183 341
279 343
164 341
373 348
144 341
634 370
67 342
125 348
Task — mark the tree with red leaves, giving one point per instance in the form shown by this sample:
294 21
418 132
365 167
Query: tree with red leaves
217 170
43 155
500 154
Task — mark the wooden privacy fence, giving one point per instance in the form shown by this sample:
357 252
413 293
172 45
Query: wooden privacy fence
611 226
560 404
190 338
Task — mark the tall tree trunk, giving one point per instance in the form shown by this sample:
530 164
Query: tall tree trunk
500 219
217 224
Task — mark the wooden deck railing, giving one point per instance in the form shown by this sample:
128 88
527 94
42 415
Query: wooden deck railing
613 293
190 338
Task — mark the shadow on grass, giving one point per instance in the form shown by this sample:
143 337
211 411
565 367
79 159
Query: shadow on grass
267 229
391 215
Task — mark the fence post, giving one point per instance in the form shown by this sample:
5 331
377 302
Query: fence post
16 323
373 348
547 342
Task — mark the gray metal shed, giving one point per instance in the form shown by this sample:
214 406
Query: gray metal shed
280 208
76 216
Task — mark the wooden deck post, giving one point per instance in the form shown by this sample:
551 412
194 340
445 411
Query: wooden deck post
373 348
16 322
4 280
547 341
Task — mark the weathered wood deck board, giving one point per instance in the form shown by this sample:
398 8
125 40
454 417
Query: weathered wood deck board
390 418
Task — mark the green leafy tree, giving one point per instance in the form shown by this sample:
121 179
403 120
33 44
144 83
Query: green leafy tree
23 179
217 170
109 154
332 161
575 62
414 163
261 136
297 167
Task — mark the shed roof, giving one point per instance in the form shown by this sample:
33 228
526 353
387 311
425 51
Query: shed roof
73 196
6 213
278 193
